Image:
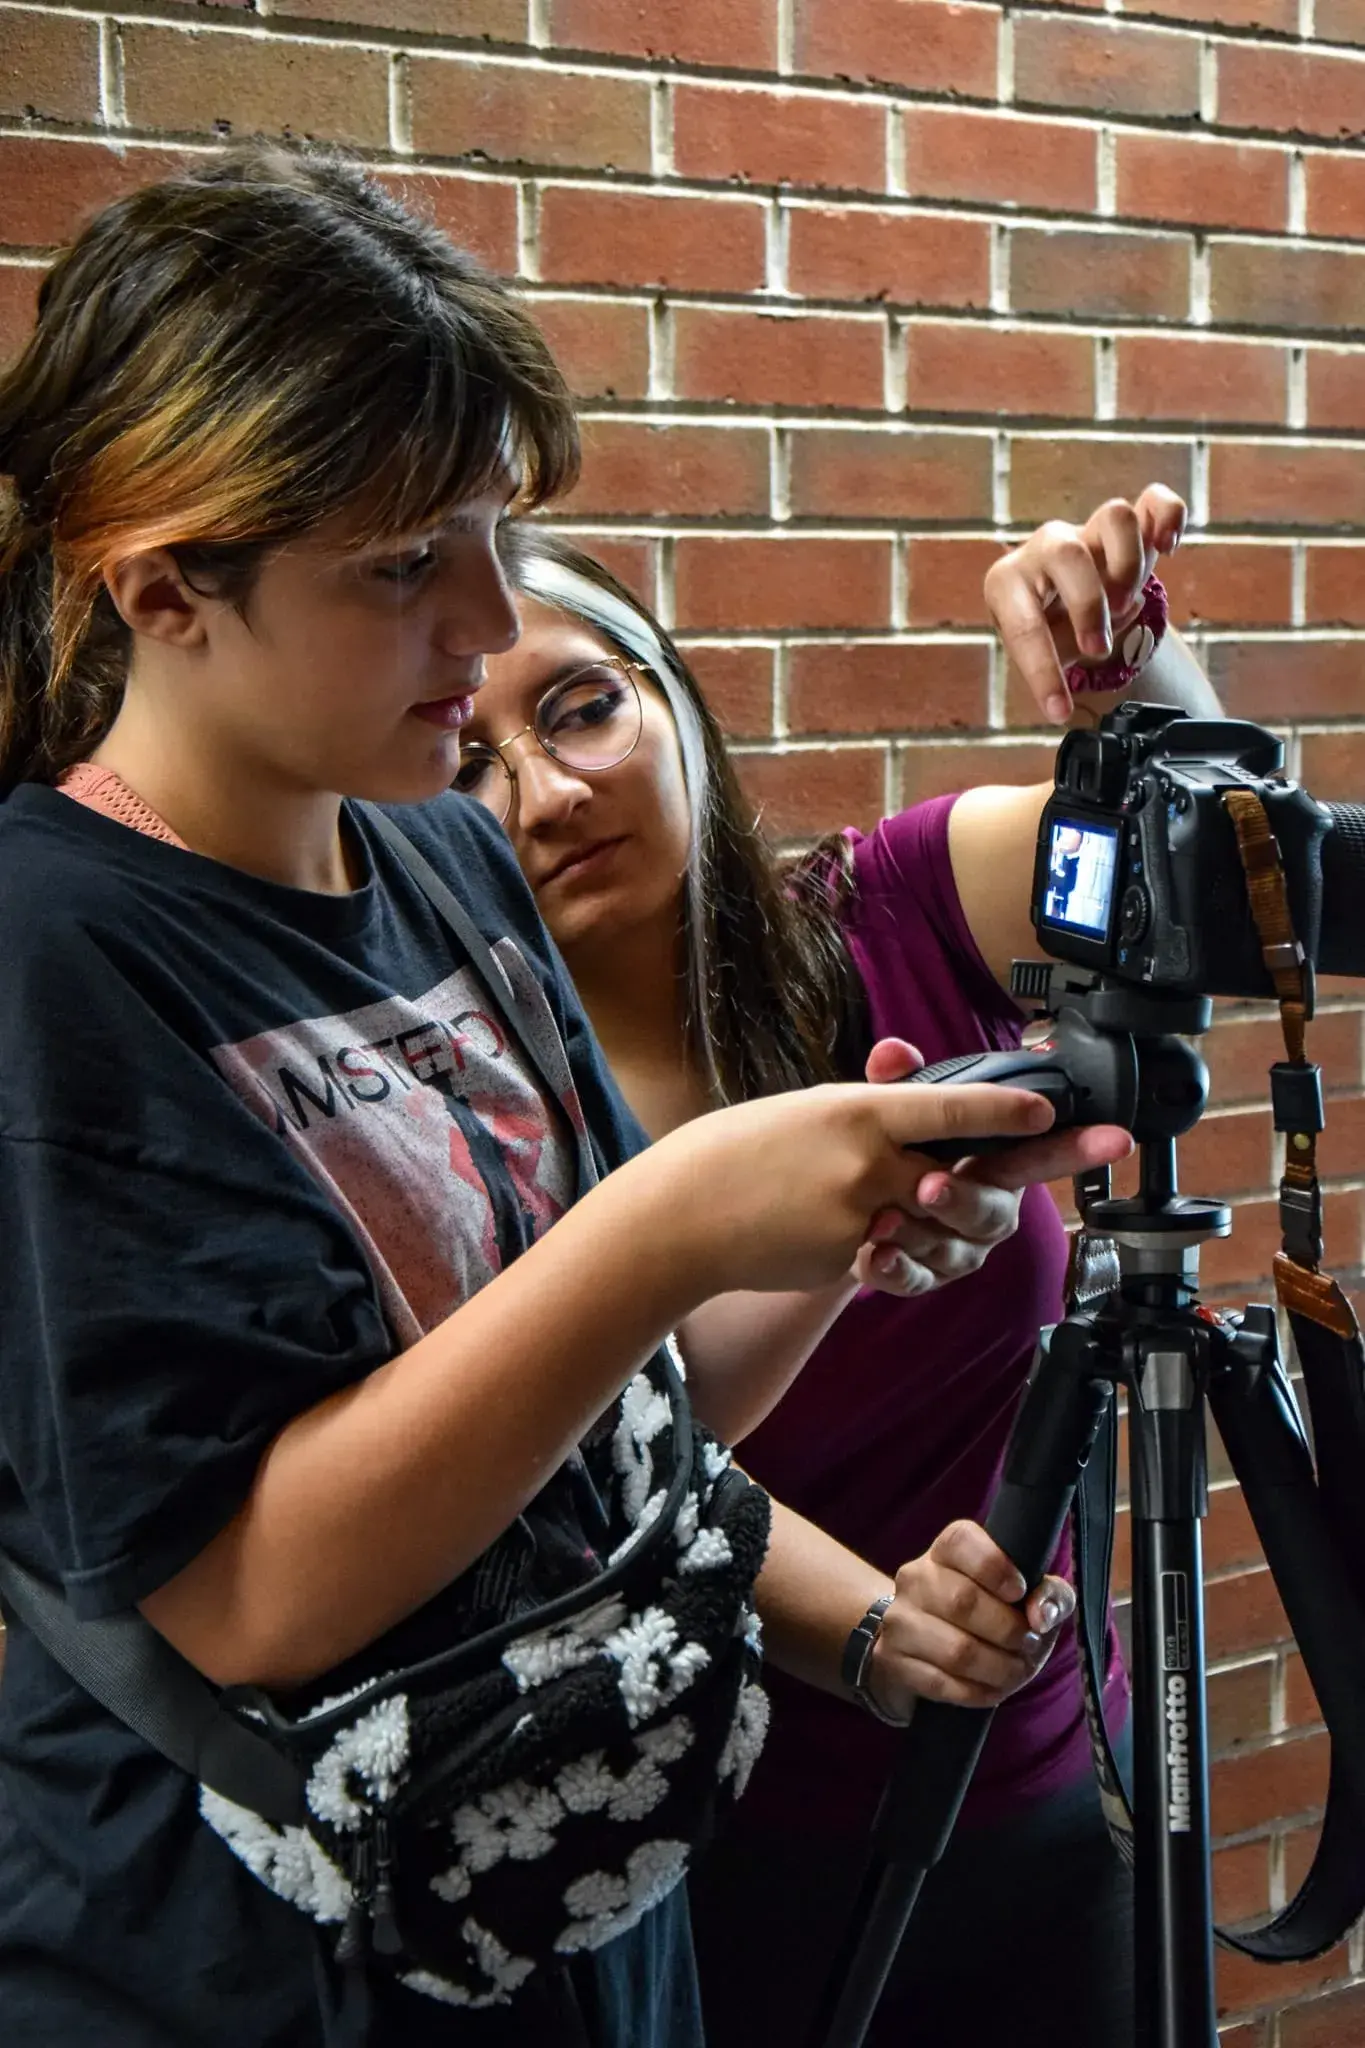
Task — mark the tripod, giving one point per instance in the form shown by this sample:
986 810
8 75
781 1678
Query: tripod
1150 1336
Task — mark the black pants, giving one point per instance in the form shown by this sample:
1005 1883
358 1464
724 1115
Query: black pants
1022 1937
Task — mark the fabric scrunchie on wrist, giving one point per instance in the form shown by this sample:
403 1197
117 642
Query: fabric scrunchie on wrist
1133 647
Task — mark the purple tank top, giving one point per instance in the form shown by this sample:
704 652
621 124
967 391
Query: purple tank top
898 1423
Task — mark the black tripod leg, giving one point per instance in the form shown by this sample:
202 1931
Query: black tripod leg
1062 1409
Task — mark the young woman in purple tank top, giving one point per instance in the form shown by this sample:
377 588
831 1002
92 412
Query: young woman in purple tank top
714 973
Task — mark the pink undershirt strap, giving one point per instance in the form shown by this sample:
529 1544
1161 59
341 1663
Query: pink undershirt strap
104 791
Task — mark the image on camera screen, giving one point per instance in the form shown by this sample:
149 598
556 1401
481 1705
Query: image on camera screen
1082 860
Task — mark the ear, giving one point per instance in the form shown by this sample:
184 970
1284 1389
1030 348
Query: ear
152 598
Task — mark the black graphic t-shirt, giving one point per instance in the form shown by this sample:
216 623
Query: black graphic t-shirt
253 1140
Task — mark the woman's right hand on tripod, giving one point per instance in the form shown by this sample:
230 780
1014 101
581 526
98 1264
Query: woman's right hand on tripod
954 1632
782 1192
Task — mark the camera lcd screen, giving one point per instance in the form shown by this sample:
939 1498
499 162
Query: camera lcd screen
1082 863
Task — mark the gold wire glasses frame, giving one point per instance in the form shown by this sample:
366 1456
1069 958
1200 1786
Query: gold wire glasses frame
590 719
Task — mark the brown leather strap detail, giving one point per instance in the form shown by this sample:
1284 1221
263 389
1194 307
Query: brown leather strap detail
1269 901
1315 1295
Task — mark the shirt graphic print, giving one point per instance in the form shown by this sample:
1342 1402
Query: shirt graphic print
417 1118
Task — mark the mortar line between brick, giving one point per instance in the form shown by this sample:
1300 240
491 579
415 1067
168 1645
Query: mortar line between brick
665 581
113 109
528 229
900 584
1298 583
661 128
1208 81
1297 199
780 715
1308 19
661 349
538 30
400 105
786 38
1296 391
780 475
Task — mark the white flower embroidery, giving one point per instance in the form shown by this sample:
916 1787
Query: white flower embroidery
287 1860
374 1748
745 1740
653 1672
604 1905
545 1653
516 1820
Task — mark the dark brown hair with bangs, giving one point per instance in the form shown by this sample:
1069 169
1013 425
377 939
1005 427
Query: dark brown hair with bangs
222 361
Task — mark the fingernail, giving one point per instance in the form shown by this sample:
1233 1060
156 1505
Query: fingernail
1040 1115
1180 535
1058 708
1052 1614
1095 642
939 1197
1031 1642
896 1268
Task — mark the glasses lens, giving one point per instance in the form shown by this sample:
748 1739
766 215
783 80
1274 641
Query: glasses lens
592 718
484 775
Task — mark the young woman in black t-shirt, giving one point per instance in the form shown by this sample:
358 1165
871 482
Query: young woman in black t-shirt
266 1373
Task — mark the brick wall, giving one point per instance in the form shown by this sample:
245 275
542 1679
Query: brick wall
852 289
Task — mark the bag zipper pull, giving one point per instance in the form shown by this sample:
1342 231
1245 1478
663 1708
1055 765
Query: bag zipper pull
353 1943
388 1939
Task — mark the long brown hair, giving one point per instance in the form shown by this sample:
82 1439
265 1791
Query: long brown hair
221 361
773 999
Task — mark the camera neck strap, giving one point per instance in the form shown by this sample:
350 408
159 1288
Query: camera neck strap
1295 1082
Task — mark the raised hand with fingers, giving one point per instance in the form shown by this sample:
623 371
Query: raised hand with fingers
1066 593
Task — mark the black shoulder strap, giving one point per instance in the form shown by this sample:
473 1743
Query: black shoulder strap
134 1673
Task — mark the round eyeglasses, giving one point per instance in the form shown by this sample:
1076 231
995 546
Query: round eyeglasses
587 721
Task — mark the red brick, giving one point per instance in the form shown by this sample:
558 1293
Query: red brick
802 794
1260 1785
1253 2033
1340 21
1300 1701
909 42
1337 2021
1239 1054
909 259
1243 1613
48 188
650 238
1227 1153
632 561
50 66
1241 1882
738 682
1229 582
1284 485
1334 188
790 359
1170 378
1341 1148
184 80
1336 389
764 584
1002 159
1066 479
1104 68
478 214
525 113
867 686
1256 285
1242 1984
602 345
634 469
778 138
946 578
953 367
1336 585
496 21
1207 183
18 305
1089 272
1264 678
1229 1538
867 473
1238 1261
1333 767
1239 1705
1290 92
940 770
694 31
